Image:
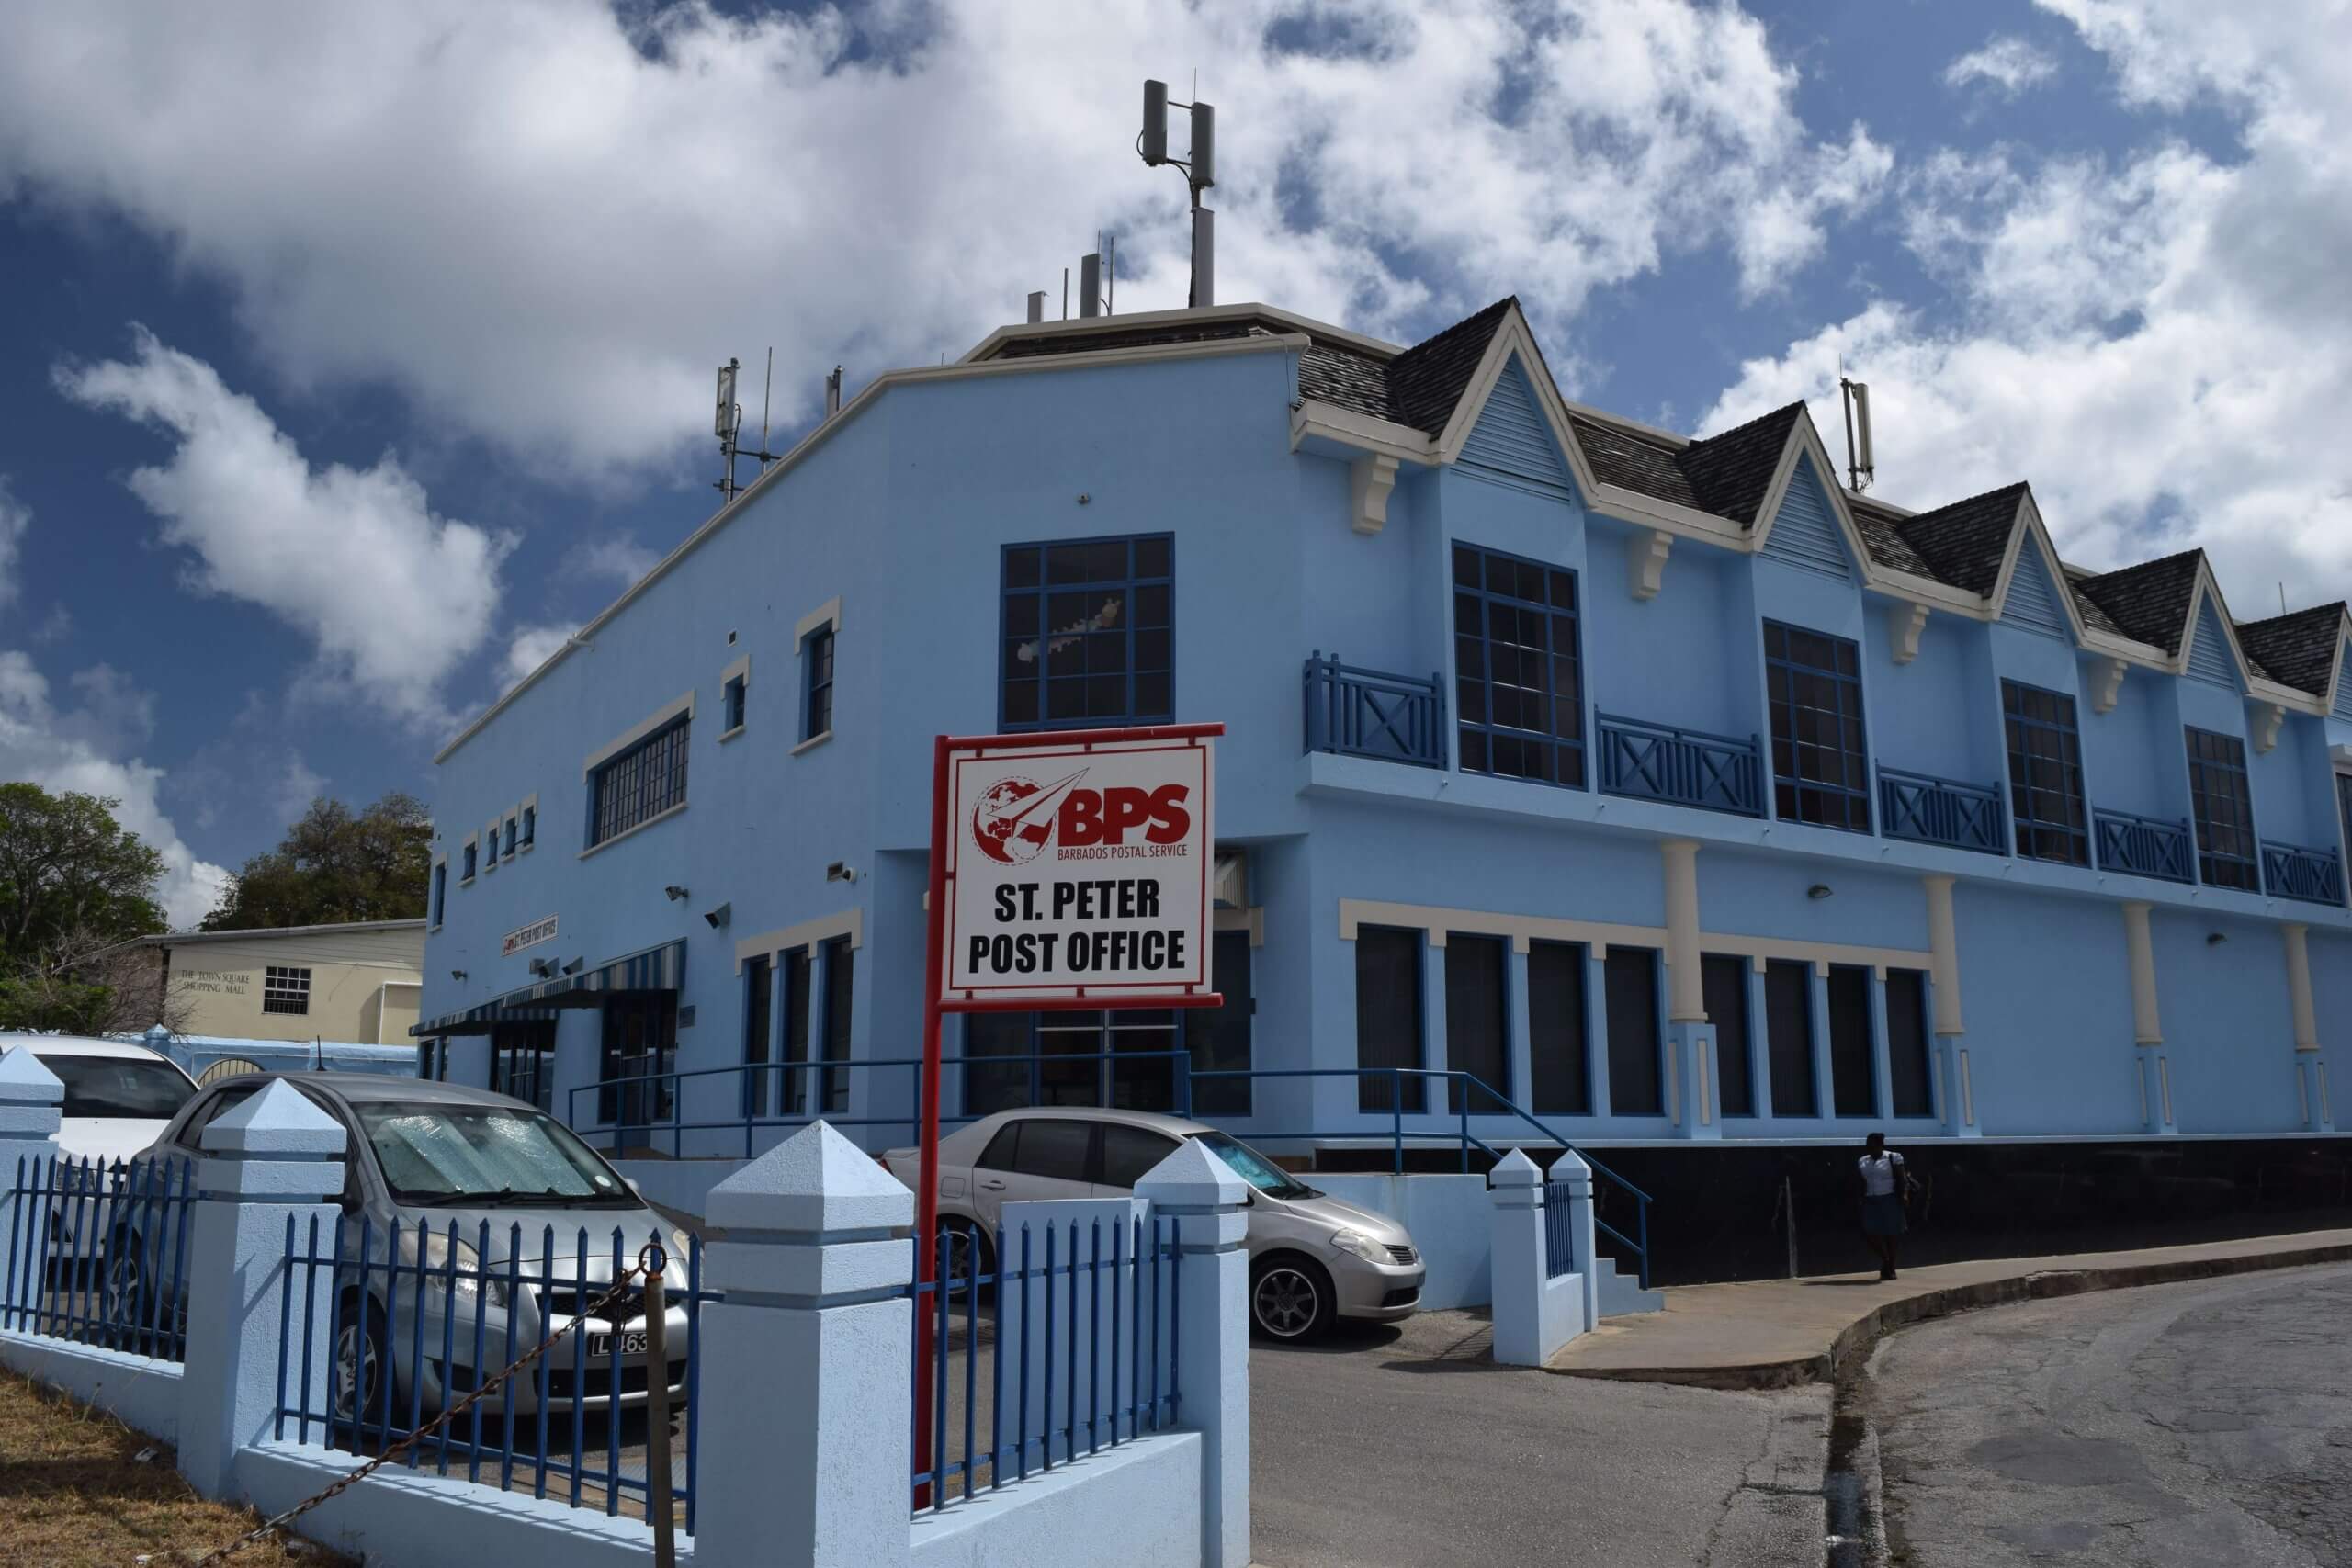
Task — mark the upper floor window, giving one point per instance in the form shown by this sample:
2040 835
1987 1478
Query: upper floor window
1087 633
733 701
466 871
285 989
1820 765
639 784
2223 808
816 699
1518 676
514 833
2045 775
440 889
530 825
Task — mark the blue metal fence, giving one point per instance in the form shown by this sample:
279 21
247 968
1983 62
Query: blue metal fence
1682 767
1095 1315
100 1249
1364 713
2290 871
2145 846
443 1311
1929 810
1559 1230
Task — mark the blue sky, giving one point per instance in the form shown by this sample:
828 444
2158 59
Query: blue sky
346 366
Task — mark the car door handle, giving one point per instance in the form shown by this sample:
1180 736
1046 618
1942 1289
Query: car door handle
991 1186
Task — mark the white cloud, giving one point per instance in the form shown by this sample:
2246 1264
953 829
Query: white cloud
618 557
545 220
2161 342
2008 64
394 595
62 750
532 647
297 786
15 518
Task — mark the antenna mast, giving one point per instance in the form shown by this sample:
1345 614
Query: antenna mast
1860 468
726 424
1200 173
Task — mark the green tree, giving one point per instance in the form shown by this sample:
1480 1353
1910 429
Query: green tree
334 866
70 874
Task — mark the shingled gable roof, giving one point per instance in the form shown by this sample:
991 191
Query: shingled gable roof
1426 382
1965 542
2151 600
1731 472
2299 650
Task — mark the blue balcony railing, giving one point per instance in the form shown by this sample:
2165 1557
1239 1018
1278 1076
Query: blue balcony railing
1362 713
1683 767
2145 846
1929 810
2290 871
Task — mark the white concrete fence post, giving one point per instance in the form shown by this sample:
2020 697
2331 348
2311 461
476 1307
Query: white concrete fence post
1575 1176
30 1096
1209 1205
1516 1242
274 1155
806 1429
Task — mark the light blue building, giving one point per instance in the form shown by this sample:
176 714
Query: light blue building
1666 787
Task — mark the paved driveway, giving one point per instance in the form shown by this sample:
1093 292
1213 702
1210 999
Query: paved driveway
1402 1447
2193 1423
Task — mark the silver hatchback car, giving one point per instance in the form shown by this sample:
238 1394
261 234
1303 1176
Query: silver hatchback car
444 1153
1312 1259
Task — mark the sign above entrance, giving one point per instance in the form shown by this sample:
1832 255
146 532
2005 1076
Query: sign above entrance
531 935
1078 870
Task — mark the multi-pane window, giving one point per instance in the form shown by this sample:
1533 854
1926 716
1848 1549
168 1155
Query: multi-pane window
1088 632
1517 680
2223 809
817 700
1820 764
2343 799
639 784
285 989
2045 775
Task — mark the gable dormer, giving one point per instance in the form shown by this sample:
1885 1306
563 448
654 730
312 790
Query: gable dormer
1803 530
2213 655
1511 442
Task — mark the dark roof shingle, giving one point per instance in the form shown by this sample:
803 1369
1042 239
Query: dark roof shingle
1426 382
2149 602
1729 473
1965 542
1881 527
2297 649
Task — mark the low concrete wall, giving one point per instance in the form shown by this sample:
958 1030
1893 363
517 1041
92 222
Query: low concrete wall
401 1519
1138 1504
137 1391
1447 1216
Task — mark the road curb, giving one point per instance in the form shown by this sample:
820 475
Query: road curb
1853 1344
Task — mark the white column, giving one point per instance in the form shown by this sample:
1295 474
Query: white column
1694 1099
274 1155
1519 1042
2299 986
1208 1203
1955 1091
1571 1172
2155 1072
1515 1243
814 1324
29 1097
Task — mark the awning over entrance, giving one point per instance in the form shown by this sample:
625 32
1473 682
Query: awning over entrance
651 969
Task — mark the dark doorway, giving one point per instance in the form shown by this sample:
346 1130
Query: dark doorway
1725 977
640 1044
1559 1066
1788 1037
1635 1085
522 1061
1853 1081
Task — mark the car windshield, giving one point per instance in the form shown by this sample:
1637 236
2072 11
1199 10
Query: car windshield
138 1086
487 1154
1254 1167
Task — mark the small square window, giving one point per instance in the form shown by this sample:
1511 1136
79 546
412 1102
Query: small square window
285 989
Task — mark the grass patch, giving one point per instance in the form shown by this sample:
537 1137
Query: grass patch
73 1492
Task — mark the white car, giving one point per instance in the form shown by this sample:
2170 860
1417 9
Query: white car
119 1098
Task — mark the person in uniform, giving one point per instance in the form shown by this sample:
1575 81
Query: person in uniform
1883 1179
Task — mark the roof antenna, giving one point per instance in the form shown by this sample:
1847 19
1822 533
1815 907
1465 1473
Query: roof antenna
1200 173
2282 598
1860 469
726 424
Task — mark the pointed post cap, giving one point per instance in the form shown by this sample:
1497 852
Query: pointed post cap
279 1121
1192 1177
158 1037
1571 1166
24 1081
1515 1169
815 1183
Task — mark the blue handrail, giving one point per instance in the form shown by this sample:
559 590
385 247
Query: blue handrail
1682 767
1365 713
1930 811
2143 846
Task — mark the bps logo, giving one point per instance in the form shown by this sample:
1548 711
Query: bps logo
1014 821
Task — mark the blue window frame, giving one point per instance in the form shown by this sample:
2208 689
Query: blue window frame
2045 775
1087 633
440 891
530 825
2223 806
513 829
638 784
2343 799
1821 764
467 873
732 704
816 683
1517 667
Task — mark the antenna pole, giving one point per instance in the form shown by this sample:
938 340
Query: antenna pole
765 388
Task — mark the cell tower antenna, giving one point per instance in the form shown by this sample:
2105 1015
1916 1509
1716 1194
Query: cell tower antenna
726 424
1861 467
1200 173
766 388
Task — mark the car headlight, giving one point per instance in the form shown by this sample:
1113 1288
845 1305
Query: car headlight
441 1254
1366 1247
681 1247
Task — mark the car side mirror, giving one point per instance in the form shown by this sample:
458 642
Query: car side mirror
630 1182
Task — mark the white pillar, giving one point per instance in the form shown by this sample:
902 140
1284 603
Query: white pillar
1571 1172
1955 1090
815 1326
1520 1043
2154 1071
1208 1201
1693 1078
1515 1237
29 1097
2299 986
276 1154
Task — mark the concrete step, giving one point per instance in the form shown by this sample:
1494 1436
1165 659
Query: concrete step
1621 1295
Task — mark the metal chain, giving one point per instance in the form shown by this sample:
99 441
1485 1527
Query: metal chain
651 1259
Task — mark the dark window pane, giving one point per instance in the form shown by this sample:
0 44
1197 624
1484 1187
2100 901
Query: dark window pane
1725 981
1788 1021
1129 1153
1099 622
1388 1015
1908 1072
1517 680
1476 1039
1059 1151
1635 1086
1557 1063
1852 1085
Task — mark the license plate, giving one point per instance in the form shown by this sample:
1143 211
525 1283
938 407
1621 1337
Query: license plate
631 1342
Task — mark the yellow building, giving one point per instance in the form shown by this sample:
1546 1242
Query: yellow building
357 982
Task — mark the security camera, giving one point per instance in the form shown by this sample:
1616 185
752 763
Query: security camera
720 916
841 871
673 892
542 967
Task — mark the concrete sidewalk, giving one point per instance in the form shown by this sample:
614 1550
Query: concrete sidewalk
1778 1333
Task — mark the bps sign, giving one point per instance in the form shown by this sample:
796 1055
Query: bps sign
1078 872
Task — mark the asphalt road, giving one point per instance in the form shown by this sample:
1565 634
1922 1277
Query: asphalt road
2193 1423
1402 1448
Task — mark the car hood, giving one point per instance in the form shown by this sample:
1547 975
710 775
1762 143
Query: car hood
545 1231
1347 1216
106 1138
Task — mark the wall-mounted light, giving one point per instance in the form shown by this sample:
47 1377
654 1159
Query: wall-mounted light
457 974
720 916
673 892
1819 890
841 871
542 967
575 967
2214 939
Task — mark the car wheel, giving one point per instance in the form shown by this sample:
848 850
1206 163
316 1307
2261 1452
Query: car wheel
1289 1298
967 1239
136 1322
359 1365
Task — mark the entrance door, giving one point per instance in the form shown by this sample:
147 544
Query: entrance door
522 1060
640 1043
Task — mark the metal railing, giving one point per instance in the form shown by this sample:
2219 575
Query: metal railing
1403 1093
2291 871
99 1253
2145 846
1091 1354
428 1305
1682 767
1364 713
1929 810
1559 1230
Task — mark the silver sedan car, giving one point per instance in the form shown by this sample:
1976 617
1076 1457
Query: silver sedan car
1312 1259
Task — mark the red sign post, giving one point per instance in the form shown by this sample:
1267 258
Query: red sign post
1068 868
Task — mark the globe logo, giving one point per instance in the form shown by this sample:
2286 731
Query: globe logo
1011 822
